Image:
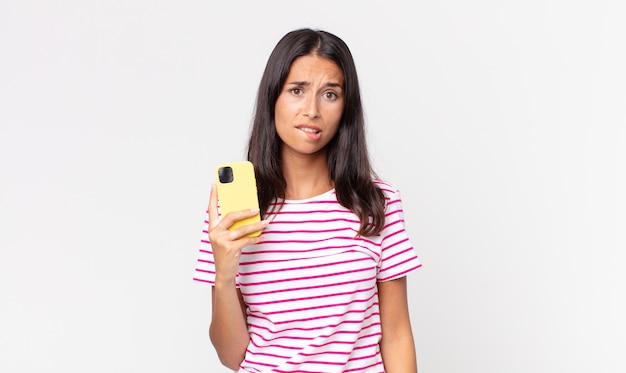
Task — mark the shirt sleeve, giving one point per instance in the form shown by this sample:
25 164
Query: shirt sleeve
398 257
205 266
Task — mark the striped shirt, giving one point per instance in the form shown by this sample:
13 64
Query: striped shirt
310 286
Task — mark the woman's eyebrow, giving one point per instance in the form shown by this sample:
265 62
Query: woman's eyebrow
333 84
306 83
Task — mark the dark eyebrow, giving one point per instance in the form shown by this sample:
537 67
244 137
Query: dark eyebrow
333 84
299 83
305 83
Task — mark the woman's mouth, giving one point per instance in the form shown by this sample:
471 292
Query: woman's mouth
310 130
313 133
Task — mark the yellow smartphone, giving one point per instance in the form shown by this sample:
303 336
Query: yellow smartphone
236 190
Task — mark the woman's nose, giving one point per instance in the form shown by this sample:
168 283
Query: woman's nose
311 108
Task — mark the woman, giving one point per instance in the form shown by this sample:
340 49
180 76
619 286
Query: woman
323 289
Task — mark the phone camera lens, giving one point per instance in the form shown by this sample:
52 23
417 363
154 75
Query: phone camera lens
225 175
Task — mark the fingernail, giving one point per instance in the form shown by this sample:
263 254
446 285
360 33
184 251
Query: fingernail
254 210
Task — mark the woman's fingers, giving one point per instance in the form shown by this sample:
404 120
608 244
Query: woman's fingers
246 229
243 230
227 244
232 217
219 227
213 216
230 241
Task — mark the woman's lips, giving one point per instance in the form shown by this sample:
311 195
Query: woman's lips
312 133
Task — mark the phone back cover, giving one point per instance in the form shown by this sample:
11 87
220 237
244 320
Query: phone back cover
240 194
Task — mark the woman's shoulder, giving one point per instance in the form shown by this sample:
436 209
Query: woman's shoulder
387 188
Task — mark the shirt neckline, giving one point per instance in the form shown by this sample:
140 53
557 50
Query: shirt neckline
319 196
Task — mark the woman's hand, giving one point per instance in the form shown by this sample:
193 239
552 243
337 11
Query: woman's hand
227 244
229 330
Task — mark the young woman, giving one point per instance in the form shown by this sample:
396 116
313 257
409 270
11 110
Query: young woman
323 289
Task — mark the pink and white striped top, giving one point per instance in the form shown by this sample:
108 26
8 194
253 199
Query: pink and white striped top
310 286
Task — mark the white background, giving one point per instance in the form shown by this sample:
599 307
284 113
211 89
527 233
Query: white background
503 124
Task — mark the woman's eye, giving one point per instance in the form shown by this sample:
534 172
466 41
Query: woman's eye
330 95
296 91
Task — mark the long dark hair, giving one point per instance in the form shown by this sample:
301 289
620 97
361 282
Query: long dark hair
348 160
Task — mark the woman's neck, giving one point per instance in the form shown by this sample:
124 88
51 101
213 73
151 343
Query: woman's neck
306 176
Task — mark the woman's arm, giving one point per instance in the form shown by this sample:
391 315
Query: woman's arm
229 330
397 346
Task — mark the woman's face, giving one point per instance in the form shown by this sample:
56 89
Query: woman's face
310 105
